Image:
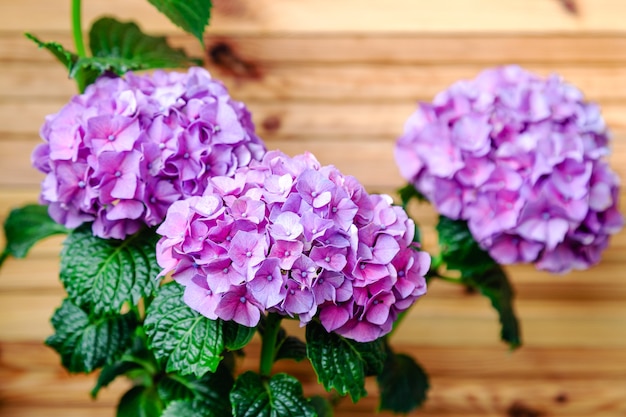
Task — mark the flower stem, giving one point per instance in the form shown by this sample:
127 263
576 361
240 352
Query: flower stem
77 29
268 346
77 32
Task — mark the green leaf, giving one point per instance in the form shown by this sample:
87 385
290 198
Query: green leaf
409 192
140 401
212 391
26 226
105 274
290 347
237 336
190 15
340 363
280 397
110 372
495 285
137 363
181 409
173 387
403 384
65 57
84 76
374 355
208 395
120 47
181 337
459 250
322 407
86 343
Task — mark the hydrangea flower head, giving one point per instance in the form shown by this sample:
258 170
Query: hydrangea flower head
287 235
121 153
520 158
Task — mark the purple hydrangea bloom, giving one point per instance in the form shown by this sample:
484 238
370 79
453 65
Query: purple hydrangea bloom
121 153
520 158
289 236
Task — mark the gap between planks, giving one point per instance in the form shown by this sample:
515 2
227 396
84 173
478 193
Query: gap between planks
374 48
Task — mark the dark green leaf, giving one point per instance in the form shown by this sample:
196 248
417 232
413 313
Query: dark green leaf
27 225
322 407
281 397
86 343
181 408
140 401
495 285
374 355
119 47
212 391
341 363
137 364
190 15
181 337
409 192
173 387
110 372
459 250
208 394
237 336
403 384
290 347
105 274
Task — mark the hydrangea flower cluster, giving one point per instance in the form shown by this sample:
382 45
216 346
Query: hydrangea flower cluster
287 235
520 158
121 153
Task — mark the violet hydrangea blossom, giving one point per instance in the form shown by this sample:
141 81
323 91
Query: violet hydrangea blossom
122 152
520 158
289 236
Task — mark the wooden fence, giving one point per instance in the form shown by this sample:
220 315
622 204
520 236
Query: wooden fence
338 78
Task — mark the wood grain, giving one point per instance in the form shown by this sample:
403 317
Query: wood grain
334 48
349 82
347 16
339 79
474 389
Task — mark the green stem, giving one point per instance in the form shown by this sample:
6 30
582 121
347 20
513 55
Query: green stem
77 29
77 32
268 346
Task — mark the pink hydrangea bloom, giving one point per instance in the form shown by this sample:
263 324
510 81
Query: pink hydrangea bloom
520 158
287 235
121 153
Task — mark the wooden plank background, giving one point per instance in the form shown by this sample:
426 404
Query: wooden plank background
339 78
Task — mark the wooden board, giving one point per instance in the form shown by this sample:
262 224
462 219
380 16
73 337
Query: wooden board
349 16
339 79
